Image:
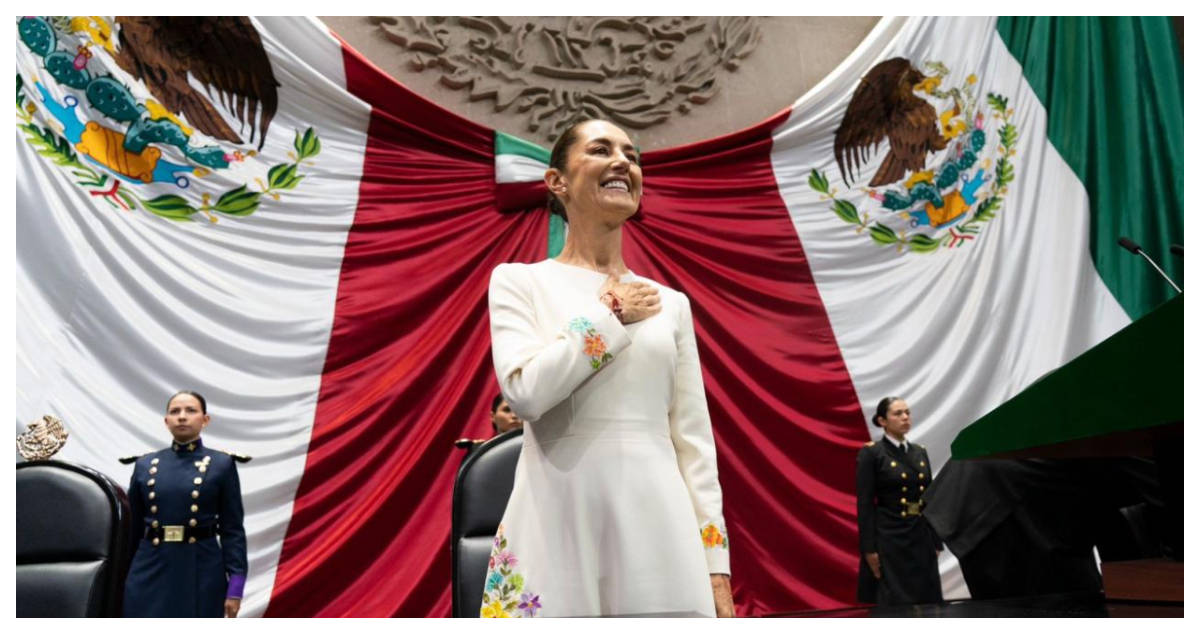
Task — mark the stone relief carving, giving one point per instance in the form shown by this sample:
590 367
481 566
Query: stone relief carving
634 71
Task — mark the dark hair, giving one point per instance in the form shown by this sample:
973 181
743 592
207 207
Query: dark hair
558 160
882 409
496 402
203 403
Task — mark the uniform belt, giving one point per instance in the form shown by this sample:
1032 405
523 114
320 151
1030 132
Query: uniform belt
180 533
911 508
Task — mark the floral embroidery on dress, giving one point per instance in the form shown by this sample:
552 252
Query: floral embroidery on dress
594 345
502 590
580 324
714 537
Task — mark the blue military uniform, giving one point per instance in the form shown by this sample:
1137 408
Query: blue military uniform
189 543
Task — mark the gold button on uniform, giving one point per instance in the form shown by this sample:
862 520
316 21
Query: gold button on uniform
903 501
154 461
195 508
904 474
155 542
903 514
191 540
922 463
197 481
195 494
203 468
921 476
904 489
151 495
893 464
153 470
153 508
154 524
150 482
192 522
922 488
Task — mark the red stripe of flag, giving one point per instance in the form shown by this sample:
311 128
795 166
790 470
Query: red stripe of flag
408 369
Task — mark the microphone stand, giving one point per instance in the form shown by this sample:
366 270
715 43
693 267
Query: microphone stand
1133 247
1160 271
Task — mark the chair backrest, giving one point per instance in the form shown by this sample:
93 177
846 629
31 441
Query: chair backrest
72 541
481 490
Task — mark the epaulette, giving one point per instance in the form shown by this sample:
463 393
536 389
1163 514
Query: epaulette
236 456
132 459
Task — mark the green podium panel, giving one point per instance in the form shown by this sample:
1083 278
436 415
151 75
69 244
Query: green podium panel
1118 398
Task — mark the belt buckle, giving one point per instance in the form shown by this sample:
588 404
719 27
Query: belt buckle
172 533
912 508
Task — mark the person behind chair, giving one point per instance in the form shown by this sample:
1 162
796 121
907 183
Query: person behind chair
503 418
186 517
899 549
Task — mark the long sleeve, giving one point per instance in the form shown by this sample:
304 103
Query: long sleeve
695 450
137 512
865 486
233 533
536 374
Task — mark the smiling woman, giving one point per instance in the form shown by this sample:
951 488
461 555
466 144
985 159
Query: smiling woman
616 508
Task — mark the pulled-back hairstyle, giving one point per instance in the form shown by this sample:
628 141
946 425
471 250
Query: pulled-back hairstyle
558 160
203 403
882 409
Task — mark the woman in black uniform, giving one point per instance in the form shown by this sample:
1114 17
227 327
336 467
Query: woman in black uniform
899 548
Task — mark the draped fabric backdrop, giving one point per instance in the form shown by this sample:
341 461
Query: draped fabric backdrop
321 276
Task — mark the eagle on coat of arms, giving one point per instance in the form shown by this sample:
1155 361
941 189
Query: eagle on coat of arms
222 52
884 106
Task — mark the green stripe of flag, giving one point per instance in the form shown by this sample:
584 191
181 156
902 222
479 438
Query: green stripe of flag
1113 92
511 146
508 144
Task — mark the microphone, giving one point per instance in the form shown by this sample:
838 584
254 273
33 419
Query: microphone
1133 247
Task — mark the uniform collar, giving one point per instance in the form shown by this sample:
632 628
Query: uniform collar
895 443
189 447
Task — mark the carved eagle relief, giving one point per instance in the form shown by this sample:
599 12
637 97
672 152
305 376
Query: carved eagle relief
223 53
885 106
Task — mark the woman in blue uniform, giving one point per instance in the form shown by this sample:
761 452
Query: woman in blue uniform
898 546
186 503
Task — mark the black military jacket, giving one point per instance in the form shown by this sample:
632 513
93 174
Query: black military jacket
890 486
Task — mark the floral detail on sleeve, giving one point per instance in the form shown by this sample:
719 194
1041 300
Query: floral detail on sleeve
714 537
594 345
502 590
580 324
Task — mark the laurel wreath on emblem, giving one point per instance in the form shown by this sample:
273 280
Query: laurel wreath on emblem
119 159
945 205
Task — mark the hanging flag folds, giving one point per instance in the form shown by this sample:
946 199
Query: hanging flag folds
248 208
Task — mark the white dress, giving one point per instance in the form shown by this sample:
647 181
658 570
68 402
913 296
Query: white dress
616 508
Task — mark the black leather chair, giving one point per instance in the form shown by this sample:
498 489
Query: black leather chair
481 490
72 541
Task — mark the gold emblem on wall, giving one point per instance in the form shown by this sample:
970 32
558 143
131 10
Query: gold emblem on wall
634 71
42 438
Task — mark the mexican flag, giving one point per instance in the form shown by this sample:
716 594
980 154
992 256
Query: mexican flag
318 266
